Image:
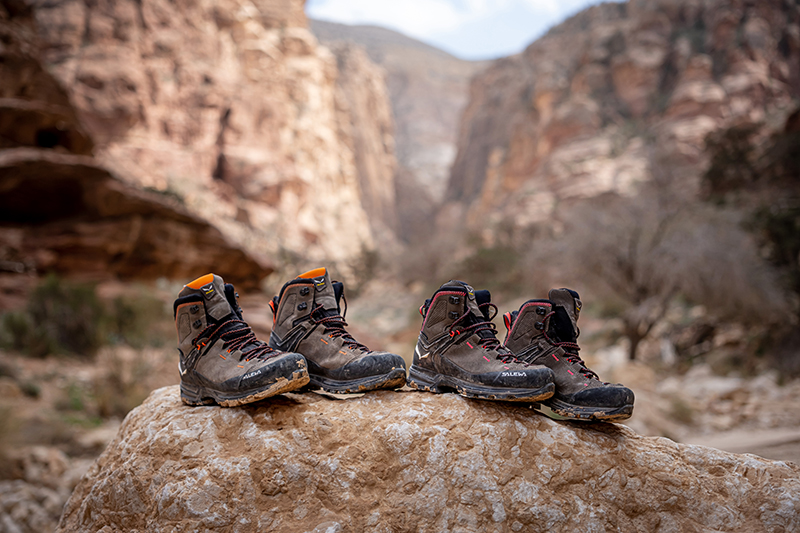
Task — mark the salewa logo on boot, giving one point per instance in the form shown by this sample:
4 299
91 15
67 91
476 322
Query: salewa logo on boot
545 332
421 356
225 363
462 353
208 290
309 320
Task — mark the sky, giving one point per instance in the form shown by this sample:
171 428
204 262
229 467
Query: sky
469 29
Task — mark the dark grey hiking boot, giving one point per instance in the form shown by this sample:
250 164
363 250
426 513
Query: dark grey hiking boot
458 351
221 361
308 320
546 332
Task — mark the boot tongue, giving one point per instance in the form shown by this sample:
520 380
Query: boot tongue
212 288
566 302
471 300
325 294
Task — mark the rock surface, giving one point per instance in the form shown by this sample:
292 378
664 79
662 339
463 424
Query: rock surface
63 211
616 95
232 106
428 89
394 461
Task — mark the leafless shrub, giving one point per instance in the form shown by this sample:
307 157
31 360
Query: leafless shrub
642 252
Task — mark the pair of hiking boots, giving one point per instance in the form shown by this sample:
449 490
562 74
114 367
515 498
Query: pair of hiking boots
222 361
458 350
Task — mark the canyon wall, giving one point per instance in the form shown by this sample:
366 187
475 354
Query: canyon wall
619 94
234 108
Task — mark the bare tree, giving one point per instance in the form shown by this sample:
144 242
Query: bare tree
646 250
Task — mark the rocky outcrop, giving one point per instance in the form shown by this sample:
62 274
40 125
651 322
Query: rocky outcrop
232 106
62 211
367 124
43 479
428 91
618 94
395 461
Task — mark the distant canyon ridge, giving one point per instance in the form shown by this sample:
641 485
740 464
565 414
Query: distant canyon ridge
249 133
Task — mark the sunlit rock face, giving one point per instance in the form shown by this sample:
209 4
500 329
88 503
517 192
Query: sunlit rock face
617 95
234 107
62 210
410 461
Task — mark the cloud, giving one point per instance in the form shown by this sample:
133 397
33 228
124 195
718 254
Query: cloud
442 22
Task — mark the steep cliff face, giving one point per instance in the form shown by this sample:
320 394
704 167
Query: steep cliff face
394 461
63 211
617 94
234 107
428 91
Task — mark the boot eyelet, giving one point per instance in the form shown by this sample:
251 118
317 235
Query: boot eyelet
196 324
302 306
194 308
304 291
539 325
541 311
454 299
453 315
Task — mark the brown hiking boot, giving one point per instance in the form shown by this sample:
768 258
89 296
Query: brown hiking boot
308 320
458 351
546 332
221 361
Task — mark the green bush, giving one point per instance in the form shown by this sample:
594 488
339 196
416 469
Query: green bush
65 317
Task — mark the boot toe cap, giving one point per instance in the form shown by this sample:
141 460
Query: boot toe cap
606 396
372 364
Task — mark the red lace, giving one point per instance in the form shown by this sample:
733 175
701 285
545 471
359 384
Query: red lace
236 339
489 343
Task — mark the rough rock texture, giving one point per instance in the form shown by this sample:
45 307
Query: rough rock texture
618 94
231 105
33 501
64 213
428 90
61 210
414 462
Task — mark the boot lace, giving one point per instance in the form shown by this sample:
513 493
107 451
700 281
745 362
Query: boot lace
570 351
335 327
237 338
488 342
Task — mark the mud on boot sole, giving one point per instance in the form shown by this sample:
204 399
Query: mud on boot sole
425 380
395 379
202 396
567 411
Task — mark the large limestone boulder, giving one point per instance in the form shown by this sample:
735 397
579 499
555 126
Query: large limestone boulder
394 461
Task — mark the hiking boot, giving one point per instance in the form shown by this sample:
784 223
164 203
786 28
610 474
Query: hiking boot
545 332
308 320
221 361
458 350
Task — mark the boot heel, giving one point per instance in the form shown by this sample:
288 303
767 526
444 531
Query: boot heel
423 380
191 395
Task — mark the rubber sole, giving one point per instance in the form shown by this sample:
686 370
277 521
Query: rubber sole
425 380
395 379
195 396
568 411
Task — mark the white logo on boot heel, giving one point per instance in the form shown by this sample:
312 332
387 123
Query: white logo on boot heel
251 374
513 374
